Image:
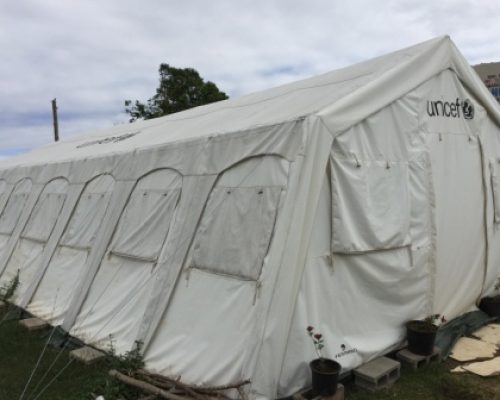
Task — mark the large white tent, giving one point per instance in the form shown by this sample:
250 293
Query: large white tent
352 201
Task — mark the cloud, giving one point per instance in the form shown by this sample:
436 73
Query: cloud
92 55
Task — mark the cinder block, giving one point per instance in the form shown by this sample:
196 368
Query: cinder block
417 361
308 395
86 354
377 374
33 324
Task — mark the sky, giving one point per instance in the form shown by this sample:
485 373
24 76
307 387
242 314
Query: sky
92 55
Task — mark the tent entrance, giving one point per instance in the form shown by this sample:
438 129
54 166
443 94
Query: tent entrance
457 178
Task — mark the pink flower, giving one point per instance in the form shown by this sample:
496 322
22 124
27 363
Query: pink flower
318 336
310 328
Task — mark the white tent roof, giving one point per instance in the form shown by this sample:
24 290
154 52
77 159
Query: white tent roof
332 96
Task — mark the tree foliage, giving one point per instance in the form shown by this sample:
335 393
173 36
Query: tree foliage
179 89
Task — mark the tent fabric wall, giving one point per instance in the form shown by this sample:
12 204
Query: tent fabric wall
34 237
376 287
456 161
4 193
337 201
72 195
14 216
490 144
121 287
12 211
68 264
440 270
231 293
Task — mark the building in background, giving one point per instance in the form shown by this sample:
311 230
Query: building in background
490 75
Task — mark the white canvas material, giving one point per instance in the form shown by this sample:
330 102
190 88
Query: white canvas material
14 207
27 255
69 262
127 271
352 201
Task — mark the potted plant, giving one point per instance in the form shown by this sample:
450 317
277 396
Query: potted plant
325 372
421 334
491 305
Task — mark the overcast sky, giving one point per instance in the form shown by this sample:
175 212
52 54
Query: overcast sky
92 55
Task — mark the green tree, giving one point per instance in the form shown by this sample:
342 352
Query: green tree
180 89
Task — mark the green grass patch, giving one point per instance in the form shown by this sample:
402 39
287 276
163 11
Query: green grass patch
19 352
433 382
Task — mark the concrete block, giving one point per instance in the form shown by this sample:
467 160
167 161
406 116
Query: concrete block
377 374
308 395
417 361
33 324
86 355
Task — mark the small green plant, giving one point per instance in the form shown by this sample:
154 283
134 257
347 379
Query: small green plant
317 339
132 360
497 286
126 363
111 346
9 289
435 319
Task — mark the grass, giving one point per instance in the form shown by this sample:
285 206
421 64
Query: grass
434 382
19 352
20 349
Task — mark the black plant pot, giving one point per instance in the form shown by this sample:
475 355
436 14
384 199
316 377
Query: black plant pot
325 375
421 336
491 306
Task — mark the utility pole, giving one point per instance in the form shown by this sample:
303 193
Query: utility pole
54 118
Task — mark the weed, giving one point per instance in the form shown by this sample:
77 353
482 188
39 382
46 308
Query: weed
126 363
8 290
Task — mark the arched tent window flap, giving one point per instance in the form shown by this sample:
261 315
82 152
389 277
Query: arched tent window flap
370 204
88 214
46 211
145 222
35 235
14 207
69 263
122 285
236 228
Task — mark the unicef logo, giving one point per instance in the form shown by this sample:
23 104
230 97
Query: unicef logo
451 109
468 109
